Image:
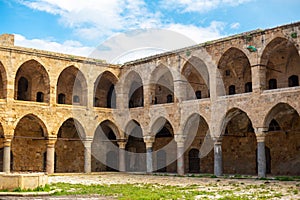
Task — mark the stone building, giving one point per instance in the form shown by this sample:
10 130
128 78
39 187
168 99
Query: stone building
229 106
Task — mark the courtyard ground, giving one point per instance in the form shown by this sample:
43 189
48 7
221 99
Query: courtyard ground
137 186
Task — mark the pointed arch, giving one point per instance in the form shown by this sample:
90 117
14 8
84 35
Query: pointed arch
162 85
282 139
281 59
133 90
104 90
29 144
31 79
196 74
235 70
3 82
71 87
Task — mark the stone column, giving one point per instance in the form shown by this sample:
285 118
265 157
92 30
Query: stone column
180 90
261 154
218 167
122 160
258 78
180 139
149 140
87 154
6 153
50 154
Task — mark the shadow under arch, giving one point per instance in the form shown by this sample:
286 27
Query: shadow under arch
3 82
71 87
32 82
104 90
283 123
198 139
29 144
135 148
196 74
235 70
238 143
105 149
164 146
162 85
281 59
69 148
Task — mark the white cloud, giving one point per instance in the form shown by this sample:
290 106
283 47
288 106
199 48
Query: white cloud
68 47
235 25
199 34
199 5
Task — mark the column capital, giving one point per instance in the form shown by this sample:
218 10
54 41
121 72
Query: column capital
179 138
261 133
51 141
7 140
149 140
217 140
122 143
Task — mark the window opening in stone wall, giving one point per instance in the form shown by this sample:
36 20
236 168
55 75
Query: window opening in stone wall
293 81
76 99
169 98
40 97
248 87
274 126
198 94
227 72
231 89
272 84
22 89
61 98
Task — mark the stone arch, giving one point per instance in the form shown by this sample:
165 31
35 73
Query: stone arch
196 74
104 90
283 125
162 85
29 144
105 145
238 143
133 90
3 82
32 79
72 87
69 147
164 146
135 148
281 59
197 133
235 70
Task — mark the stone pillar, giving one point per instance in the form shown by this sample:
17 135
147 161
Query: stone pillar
180 90
180 139
258 78
6 153
218 167
122 160
261 154
50 155
87 154
149 140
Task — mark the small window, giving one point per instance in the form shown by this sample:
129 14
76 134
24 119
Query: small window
231 89
76 99
248 87
227 72
61 98
274 126
198 94
293 81
40 97
155 100
169 98
272 84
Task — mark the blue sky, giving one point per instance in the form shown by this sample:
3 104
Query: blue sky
78 26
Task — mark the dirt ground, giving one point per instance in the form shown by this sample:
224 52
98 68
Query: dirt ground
287 189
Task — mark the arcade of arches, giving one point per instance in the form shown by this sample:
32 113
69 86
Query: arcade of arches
219 108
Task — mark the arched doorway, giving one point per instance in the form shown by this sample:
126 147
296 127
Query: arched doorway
104 90
32 79
282 140
29 144
69 147
135 148
194 161
105 149
239 144
71 87
235 70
